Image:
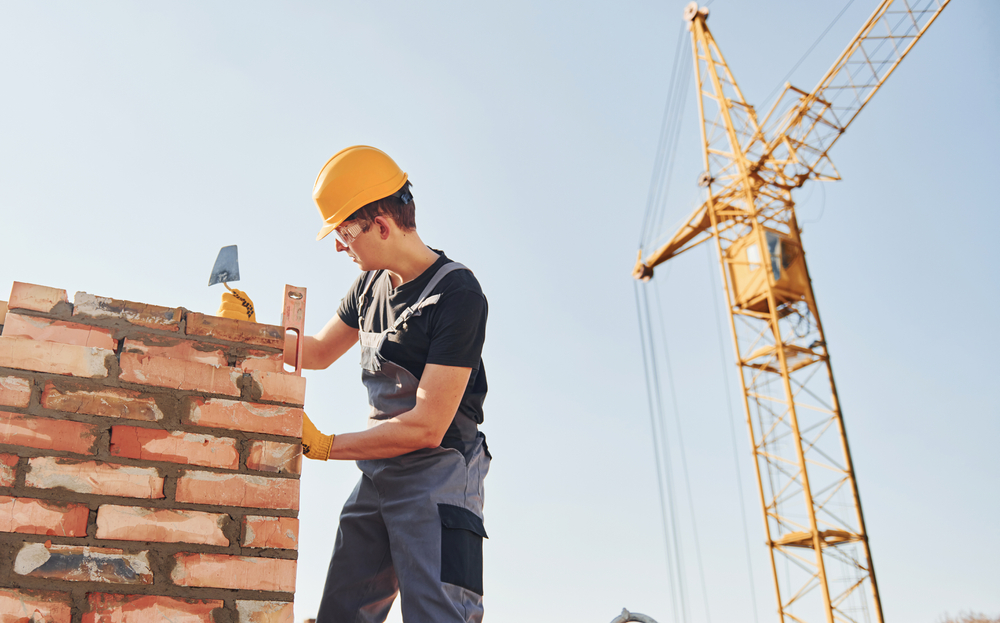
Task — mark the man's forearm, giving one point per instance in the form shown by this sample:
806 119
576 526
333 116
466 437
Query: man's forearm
389 438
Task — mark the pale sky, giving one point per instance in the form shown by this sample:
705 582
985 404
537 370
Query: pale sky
139 138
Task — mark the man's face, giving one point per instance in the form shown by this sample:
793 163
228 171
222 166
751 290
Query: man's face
356 237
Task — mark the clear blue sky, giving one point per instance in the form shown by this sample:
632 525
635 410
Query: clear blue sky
139 138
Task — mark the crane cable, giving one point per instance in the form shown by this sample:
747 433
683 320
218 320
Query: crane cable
732 432
667 144
662 463
784 80
681 445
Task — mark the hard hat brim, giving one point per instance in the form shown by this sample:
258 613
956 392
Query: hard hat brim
325 231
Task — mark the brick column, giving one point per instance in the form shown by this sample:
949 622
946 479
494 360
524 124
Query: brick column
149 464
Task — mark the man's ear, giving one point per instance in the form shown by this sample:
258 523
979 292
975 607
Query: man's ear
384 226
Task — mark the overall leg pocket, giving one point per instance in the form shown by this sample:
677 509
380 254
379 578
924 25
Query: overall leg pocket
462 534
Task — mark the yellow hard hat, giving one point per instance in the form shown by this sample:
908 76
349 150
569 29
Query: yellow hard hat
353 178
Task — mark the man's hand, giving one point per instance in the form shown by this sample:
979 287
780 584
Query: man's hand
315 444
236 305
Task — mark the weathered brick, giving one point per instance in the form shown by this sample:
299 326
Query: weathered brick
270 532
231 330
239 572
27 606
139 314
276 457
35 298
263 361
109 402
94 477
3 310
154 444
178 374
281 387
162 525
46 433
83 564
113 608
176 348
68 359
48 330
8 469
237 490
30 516
14 391
237 415
264 611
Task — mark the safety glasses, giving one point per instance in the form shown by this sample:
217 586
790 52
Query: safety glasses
349 231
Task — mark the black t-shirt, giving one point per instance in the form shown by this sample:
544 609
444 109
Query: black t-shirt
450 332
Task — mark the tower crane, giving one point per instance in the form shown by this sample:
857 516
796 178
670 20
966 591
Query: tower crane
819 551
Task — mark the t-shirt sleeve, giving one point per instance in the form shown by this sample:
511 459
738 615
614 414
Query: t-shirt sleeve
348 309
458 330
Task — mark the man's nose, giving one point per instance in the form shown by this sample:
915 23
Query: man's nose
341 246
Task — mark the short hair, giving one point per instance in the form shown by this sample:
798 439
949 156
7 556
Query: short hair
393 206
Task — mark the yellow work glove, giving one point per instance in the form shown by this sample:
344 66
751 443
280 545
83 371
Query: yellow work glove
236 305
315 444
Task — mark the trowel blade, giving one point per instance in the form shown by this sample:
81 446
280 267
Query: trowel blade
227 266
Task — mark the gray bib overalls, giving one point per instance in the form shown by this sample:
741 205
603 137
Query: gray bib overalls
413 524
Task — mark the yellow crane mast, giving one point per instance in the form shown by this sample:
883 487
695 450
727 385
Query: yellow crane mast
820 556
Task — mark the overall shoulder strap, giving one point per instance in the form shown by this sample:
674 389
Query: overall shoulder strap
370 278
425 299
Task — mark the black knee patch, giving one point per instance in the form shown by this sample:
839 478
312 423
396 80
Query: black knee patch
462 534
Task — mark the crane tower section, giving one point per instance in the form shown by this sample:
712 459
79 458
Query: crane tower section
819 550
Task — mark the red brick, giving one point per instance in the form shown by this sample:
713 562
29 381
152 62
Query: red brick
110 608
239 572
47 330
14 391
271 532
139 314
240 331
162 525
177 374
83 564
94 477
245 416
68 359
281 387
263 361
8 469
30 516
27 606
155 444
264 611
35 298
46 433
238 490
109 402
276 457
176 348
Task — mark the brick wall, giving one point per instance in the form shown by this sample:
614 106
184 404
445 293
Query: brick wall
149 464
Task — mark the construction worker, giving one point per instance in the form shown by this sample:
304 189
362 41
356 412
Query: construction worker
413 524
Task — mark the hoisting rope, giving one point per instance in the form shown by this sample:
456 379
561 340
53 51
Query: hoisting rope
663 164
680 442
664 476
732 431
